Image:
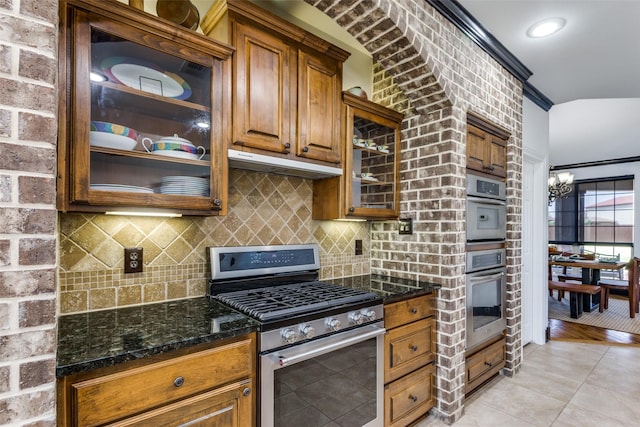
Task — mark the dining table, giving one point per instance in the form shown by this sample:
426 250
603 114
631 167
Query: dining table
590 274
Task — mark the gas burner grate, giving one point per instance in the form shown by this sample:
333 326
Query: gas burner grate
275 302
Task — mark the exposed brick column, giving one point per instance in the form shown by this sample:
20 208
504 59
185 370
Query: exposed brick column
28 125
427 69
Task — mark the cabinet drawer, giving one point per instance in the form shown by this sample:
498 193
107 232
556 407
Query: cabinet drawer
403 312
485 363
224 406
410 397
132 391
409 347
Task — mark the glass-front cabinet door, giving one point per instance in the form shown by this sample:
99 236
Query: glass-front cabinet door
146 117
372 159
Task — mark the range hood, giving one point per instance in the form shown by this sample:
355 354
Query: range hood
276 165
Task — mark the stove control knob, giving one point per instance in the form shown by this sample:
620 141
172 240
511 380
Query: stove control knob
333 324
357 318
307 331
369 315
288 336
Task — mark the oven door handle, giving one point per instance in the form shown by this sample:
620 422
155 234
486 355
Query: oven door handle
292 355
488 278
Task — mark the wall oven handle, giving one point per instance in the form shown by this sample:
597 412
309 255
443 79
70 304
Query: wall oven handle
292 355
488 278
486 201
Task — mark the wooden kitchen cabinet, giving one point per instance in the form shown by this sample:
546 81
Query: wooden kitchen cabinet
486 147
485 362
287 84
369 186
214 384
132 70
409 359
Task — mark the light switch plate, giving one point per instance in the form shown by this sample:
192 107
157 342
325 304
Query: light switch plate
405 226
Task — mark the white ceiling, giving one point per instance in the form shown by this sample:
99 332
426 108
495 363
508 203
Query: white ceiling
590 70
596 55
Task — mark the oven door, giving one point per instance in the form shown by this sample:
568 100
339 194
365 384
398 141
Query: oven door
486 219
486 302
338 378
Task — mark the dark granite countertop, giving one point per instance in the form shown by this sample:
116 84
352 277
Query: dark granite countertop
391 289
103 338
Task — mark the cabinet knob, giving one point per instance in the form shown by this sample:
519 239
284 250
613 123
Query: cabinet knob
217 202
305 149
414 311
246 391
287 145
178 381
414 348
489 364
352 209
413 398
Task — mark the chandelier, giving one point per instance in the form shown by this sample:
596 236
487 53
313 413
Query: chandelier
559 185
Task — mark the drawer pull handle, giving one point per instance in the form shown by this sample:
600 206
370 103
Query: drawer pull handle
246 391
413 398
414 311
414 348
489 364
178 381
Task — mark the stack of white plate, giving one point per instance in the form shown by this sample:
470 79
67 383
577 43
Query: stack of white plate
185 186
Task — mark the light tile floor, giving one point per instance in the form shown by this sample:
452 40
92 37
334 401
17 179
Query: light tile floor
561 384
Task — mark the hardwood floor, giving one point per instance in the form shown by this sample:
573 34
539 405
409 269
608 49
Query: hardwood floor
567 331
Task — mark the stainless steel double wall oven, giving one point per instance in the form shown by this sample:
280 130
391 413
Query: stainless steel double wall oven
320 345
486 259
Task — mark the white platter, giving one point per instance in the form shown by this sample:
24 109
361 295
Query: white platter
118 187
111 140
145 76
147 79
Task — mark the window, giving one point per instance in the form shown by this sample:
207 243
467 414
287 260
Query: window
597 216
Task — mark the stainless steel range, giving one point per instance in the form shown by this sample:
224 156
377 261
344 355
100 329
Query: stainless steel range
320 345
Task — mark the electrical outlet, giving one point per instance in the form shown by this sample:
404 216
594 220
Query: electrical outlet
405 226
133 260
358 247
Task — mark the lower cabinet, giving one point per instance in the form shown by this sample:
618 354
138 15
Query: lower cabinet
409 357
211 386
485 362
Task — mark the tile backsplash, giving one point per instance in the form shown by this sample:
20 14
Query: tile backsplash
263 209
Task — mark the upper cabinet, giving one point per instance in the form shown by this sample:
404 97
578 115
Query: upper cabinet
486 147
143 123
287 84
368 188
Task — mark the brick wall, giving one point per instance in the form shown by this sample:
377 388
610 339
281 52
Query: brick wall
438 75
28 103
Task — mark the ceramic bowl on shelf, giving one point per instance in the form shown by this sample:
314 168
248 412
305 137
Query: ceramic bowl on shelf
174 146
112 135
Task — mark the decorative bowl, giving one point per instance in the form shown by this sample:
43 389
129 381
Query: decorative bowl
161 145
111 135
174 146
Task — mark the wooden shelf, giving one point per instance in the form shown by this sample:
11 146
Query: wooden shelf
149 156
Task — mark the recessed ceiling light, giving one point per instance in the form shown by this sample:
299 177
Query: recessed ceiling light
546 27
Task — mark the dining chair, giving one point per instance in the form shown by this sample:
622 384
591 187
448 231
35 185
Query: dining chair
631 287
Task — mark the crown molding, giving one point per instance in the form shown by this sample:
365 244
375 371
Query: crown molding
463 20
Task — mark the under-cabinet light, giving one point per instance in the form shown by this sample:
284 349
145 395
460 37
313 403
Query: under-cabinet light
157 214
350 220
